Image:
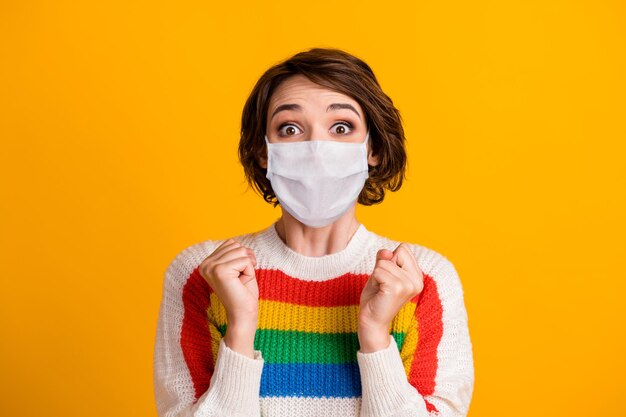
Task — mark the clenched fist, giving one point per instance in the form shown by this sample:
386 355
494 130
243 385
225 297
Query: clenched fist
229 270
396 279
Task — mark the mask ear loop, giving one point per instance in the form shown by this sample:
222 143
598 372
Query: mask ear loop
367 143
268 154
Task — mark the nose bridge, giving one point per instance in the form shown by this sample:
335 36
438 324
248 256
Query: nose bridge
318 132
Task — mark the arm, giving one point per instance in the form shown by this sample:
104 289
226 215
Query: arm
433 371
190 380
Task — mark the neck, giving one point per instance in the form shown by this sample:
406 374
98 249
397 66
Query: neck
317 241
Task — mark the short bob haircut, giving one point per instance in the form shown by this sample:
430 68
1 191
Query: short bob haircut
344 73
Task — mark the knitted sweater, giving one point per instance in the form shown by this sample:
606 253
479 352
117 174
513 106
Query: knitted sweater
307 361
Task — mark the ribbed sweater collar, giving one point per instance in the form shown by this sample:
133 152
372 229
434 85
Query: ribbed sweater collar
317 268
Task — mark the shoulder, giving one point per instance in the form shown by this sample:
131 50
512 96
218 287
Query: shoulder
187 259
435 265
442 301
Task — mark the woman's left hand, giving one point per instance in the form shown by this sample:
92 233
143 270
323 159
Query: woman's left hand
396 279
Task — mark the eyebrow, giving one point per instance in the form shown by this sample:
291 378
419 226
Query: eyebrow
334 106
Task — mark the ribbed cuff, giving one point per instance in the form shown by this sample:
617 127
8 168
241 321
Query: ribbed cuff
235 383
385 388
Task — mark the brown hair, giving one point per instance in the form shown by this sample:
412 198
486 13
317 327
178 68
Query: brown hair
344 73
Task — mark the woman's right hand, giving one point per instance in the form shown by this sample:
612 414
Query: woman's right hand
229 270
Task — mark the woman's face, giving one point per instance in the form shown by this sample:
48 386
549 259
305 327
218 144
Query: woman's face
302 110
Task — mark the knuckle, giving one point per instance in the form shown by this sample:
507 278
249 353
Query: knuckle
239 251
204 266
219 269
397 289
385 263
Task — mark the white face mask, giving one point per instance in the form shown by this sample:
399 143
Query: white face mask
317 181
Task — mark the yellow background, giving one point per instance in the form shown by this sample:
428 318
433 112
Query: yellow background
119 124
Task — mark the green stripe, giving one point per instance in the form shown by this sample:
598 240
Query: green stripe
290 346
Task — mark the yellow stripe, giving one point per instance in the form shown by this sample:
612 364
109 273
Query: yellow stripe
216 336
410 345
286 316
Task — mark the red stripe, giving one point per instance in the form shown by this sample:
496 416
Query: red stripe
195 338
343 290
430 329
430 407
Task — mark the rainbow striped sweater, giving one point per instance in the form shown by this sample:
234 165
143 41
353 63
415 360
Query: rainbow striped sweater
307 360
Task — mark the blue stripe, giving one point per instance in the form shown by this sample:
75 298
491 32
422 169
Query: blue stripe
311 380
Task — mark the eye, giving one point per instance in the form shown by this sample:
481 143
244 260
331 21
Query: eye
342 125
289 131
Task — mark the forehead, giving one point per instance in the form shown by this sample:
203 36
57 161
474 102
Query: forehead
300 88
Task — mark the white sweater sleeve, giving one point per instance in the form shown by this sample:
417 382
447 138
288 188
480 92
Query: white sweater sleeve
235 380
386 390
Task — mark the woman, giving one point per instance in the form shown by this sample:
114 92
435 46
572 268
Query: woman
315 315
